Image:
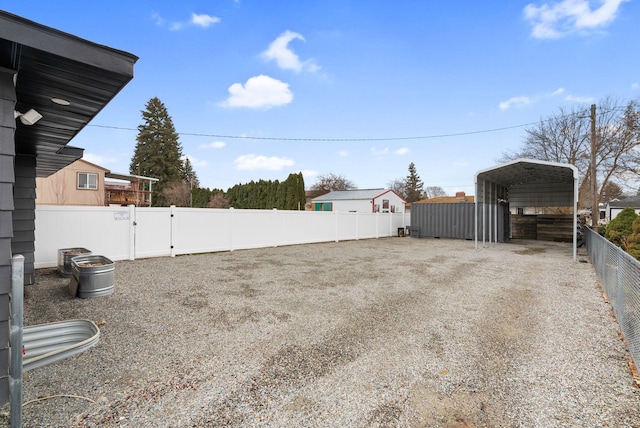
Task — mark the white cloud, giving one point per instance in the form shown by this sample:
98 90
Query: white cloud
158 19
635 86
402 151
198 20
259 92
343 153
524 101
379 152
214 145
517 102
280 52
195 161
307 173
552 21
558 91
203 20
577 99
270 163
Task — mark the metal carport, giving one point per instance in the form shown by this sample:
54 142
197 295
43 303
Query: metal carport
523 183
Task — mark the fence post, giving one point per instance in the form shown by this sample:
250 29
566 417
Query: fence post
276 227
231 216
132 232
172 211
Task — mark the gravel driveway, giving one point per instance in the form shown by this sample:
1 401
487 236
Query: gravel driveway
383 332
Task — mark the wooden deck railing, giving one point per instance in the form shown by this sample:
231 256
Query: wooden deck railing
140 198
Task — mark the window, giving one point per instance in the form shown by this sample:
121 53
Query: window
87 180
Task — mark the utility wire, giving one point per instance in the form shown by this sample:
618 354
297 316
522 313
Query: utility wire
245 137
421 137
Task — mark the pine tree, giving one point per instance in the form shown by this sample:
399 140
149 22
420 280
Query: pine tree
413 185
620 228
158 152
189 175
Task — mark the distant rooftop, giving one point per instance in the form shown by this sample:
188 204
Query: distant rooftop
350 195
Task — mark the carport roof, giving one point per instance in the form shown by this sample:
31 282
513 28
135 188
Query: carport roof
50 64
538 182
522 171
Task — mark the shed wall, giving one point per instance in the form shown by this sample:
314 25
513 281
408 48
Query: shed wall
457 221
362 206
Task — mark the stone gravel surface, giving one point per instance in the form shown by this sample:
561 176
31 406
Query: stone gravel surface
373 333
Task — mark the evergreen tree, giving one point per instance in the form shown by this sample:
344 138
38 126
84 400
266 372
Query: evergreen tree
634 240
189 175
282 195
413 185
295 195
158 152
620 228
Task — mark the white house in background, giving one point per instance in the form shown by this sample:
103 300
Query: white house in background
360 200
615 206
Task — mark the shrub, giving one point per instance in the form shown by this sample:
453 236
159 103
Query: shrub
620 228
634 239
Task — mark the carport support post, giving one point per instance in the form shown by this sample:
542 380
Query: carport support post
495 215
475 203
484 212
575 215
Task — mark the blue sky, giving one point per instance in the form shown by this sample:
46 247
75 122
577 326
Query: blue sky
351 87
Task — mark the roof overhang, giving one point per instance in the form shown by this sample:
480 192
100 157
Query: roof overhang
50 64
129 177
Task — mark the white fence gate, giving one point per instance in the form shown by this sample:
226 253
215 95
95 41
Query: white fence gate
122 233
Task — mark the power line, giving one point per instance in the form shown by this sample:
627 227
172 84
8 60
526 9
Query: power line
245 137
421 137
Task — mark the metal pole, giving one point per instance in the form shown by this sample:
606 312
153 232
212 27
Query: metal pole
484 213
475 203
595 207
15 339
575 215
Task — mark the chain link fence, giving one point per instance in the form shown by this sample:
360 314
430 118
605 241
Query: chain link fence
620 277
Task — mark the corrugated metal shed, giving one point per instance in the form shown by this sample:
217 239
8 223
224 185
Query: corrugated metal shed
524 183
443 220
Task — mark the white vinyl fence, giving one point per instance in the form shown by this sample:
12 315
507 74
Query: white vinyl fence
122 233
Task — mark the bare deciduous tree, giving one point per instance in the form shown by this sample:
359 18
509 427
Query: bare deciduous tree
434 192
331 182
399 186
566 138
177 193
219 200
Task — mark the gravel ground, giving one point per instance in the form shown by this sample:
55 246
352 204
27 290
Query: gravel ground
389 332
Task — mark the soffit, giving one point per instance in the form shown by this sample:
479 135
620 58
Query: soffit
52 64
